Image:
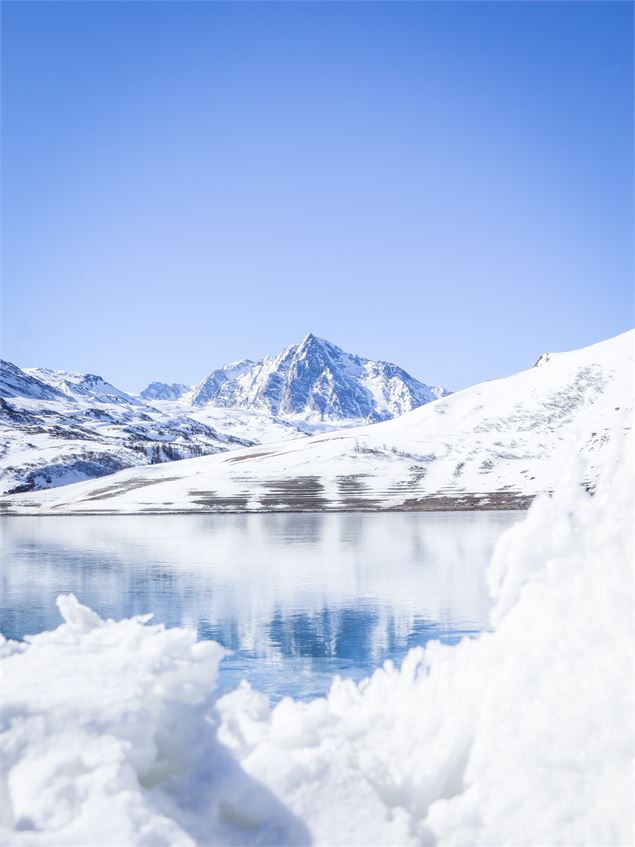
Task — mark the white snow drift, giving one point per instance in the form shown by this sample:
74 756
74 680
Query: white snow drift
111 733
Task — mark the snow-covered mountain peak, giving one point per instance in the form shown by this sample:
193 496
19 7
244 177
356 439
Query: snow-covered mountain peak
307 340
163 391
212 386
315 380
84 385
238 366
312 345
15 382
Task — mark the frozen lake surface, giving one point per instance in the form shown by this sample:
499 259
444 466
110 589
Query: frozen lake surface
297 598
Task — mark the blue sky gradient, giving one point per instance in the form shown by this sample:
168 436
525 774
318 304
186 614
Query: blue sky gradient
448 186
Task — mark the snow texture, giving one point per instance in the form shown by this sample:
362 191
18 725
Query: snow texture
495 445
316 381
524 736
59 427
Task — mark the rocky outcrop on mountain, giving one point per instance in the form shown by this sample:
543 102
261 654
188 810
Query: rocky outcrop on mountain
58 427
163 391
316 381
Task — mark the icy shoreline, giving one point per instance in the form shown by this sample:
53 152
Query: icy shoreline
494 502
111 733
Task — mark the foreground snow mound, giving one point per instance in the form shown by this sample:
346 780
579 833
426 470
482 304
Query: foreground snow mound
108 737
520 737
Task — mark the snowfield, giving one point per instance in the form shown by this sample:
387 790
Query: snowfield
59 427
111 734
495 445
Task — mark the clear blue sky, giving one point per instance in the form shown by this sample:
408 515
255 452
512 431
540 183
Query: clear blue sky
448 186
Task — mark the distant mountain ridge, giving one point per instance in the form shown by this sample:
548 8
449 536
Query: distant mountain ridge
163 391
495 445
76 384
313 381
58 427
14 382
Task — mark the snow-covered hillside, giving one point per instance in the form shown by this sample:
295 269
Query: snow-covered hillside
112 733
494 445
312 381
58 427
85 386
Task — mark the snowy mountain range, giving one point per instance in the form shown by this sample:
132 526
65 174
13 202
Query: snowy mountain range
495 445
315 381
59 427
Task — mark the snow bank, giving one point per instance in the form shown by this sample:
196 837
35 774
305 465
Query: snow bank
110 733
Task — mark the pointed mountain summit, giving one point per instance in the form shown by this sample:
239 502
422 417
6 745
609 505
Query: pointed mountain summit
315 380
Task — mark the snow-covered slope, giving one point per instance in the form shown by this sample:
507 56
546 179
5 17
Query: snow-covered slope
494 445
111 733
313 381
84 386
15 382
58 427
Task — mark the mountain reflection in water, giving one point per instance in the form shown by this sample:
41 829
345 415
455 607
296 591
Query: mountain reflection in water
296 598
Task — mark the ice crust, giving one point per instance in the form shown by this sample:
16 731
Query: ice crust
111 734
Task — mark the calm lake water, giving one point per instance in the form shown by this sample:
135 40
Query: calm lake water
297 598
